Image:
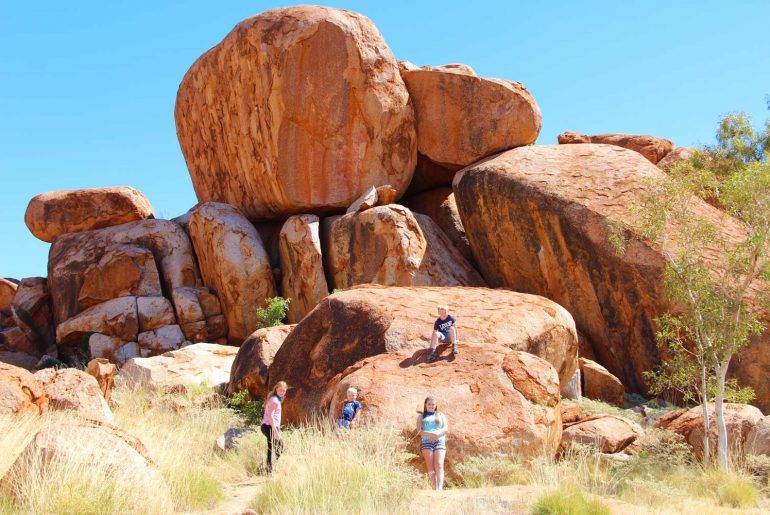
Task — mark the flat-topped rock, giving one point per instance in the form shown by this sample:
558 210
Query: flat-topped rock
54 213
651 147
328 112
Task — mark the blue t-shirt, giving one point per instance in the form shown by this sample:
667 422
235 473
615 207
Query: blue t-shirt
349 410
443 325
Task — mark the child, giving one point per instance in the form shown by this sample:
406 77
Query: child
432 427
350 408
444 329
271 423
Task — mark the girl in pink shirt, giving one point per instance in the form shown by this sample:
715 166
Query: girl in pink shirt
271 423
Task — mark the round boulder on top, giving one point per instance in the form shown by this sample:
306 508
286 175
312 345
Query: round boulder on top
297 110
54 213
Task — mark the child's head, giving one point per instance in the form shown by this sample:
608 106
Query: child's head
429 405
352 393
442 309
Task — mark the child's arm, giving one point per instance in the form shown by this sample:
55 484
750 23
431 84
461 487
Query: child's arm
355 415
441 431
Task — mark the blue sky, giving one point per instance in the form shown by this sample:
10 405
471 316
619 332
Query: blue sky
87 89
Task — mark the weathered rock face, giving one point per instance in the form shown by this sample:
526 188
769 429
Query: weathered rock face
73 389
739 419
123 270
200 314
233 263
114 349
758 439
104 373
250 368
201 363
365 321
652 148
391 246
600 384
570 412
440 206
55 213
328 111
429 175
20 392
7 291
495 399
462 118
18 359
117 317
676 155
607 433
157 341
14 339
304 280
72 254
154 312
536 219
31 309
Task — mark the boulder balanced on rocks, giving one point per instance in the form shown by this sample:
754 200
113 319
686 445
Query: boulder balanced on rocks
537 220
233 263
390 245
255 355
462 118
495 399
55 213
600 384
326 105
652 148
365 321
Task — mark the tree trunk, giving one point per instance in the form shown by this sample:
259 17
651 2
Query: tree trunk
705 401
722 450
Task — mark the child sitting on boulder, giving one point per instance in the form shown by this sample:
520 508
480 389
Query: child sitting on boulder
444 329
350 408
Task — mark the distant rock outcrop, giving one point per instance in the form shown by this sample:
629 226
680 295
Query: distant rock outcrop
651 147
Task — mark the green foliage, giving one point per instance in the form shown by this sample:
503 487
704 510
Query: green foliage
482 471
568 501
250 410
274 312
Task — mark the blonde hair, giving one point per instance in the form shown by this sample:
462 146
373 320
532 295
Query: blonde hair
279 384
352 389
442 306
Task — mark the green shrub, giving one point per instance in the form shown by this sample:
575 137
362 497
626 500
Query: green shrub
481 471
568 501
274 312
250 410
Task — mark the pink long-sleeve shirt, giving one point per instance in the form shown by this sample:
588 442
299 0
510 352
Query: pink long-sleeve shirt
272 416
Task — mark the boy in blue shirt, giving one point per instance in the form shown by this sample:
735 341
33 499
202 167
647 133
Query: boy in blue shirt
444 329
350 409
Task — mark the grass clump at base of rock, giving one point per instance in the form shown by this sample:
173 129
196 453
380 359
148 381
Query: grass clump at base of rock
568 500
484 471
365 470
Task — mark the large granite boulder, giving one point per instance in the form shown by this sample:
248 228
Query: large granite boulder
440 206
20 392
740 419
496 400
72 254
462 118
651 147
199 364
324 104
303 280
116 317
31 309
607 433
75 390
7 292
538 218
233 263
54 213
365 321
599 384
255 355
390 245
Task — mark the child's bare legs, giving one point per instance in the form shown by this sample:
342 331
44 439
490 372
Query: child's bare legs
434 339
438 468
427 454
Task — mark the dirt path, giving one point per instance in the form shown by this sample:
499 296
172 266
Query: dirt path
237 497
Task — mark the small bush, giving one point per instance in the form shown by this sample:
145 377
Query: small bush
250 410
481 471
274 312
568 501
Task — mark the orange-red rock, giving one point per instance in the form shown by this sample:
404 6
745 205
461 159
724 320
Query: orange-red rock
72 254
676 155
20 392
365 321
233 263
297 110
600 384
536 219
7 291
255 355
73 389
758 439
304 279
18 359
154 312
739 419
117 317
104 373
123 270
31 309
570 412
14 339
462 118
54 213
607 433
160 340
440 206
429 175
651 147
391 246
496 400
